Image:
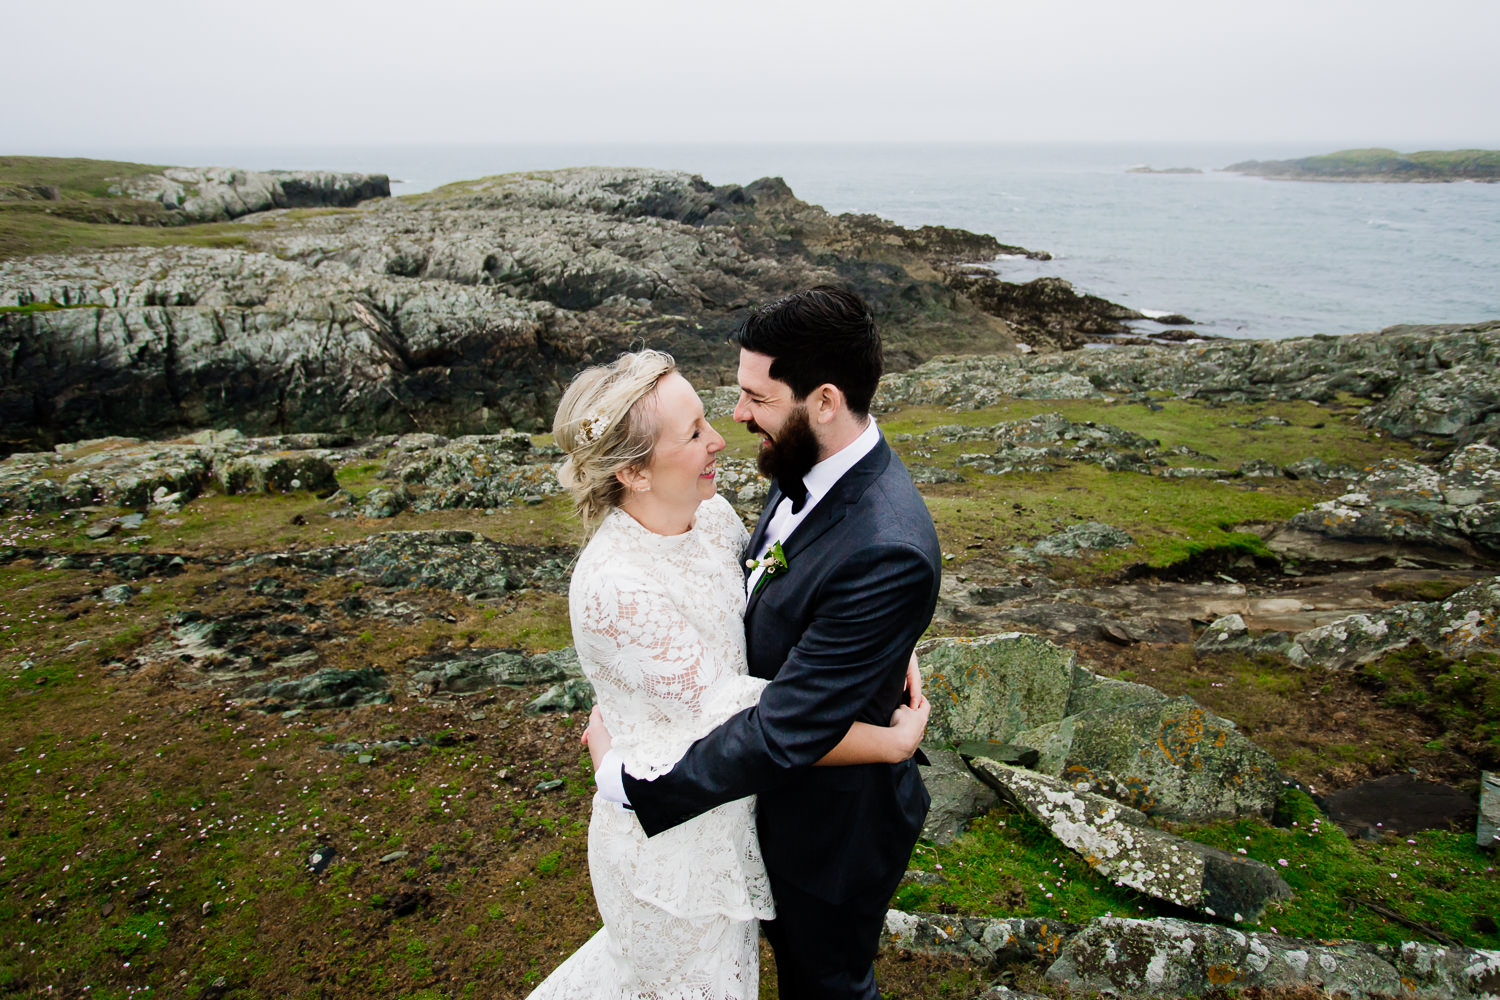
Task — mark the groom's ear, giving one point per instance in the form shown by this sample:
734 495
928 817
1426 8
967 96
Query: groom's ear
824 403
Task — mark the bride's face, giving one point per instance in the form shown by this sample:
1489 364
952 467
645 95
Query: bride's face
681 472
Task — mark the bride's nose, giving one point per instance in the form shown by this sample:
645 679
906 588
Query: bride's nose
716 443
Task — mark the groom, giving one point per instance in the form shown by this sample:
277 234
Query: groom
831 618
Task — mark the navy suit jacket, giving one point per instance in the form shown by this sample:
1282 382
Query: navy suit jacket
832 633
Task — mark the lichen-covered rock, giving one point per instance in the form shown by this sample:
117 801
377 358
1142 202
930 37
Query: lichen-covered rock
1116 842
285 472
1172 958
1465 622
994 687
1047 439
382 502
987 941
1452 510
1164 756
957 796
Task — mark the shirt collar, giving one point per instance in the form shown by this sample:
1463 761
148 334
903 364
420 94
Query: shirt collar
822 477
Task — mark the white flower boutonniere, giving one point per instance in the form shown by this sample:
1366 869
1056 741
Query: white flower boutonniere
774 564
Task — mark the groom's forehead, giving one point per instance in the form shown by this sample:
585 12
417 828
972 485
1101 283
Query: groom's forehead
755 373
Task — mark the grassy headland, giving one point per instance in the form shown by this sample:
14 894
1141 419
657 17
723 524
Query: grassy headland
1378 164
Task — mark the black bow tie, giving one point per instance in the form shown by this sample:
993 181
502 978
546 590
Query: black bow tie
795 491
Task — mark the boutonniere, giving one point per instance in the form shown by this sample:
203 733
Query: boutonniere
773 564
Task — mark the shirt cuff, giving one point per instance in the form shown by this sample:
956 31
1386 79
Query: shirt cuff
610 778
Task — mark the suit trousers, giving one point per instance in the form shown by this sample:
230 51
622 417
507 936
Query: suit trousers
824 951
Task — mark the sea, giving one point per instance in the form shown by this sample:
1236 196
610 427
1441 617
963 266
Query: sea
1240 256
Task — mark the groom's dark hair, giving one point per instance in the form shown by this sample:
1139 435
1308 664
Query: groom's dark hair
823 334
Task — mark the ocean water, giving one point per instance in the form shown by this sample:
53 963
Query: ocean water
1241 256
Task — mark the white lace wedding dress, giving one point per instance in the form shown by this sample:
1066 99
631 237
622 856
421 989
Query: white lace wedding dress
657 622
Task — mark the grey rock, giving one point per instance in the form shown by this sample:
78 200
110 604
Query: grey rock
1487 835
1171 958
990 942
118 594
212 194
1167 756
573 695
1463 623
957 796
1447 514
1230 634
478 670
382 502
325 689
461 561
276 473
1117 843
393 856
1079 538
993 687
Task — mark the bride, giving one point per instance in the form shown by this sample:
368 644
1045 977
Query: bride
655 601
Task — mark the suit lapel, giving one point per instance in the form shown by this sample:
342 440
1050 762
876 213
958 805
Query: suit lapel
829 511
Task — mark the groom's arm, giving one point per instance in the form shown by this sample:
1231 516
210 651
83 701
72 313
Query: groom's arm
871 612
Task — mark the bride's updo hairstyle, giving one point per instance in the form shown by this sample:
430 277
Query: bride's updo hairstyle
607 424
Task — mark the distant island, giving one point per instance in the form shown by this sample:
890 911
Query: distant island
1380 165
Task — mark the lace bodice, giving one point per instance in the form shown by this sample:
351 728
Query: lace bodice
657 623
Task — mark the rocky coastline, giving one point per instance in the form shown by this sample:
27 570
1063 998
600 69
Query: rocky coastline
466 309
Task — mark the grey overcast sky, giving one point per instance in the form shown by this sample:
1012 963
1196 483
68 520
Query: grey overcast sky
289 72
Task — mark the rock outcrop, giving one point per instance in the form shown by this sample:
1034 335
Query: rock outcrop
1117 842
1164 756
212 194
464 311
1399 509
1173 958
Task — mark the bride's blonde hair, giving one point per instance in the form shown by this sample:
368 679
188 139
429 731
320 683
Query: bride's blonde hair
606 425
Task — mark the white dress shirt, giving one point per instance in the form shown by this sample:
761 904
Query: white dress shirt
819 480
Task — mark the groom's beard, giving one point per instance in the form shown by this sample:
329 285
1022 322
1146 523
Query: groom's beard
791 453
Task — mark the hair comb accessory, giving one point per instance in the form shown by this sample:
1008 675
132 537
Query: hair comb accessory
592 427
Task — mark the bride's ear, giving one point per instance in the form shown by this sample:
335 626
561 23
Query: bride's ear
634 480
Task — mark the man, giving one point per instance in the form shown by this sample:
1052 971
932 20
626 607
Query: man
843 578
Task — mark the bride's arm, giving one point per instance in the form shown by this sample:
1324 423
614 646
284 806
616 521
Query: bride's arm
868 744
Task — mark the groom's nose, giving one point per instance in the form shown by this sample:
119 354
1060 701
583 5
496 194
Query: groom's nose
741 409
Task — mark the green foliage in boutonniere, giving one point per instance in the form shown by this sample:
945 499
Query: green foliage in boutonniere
774 564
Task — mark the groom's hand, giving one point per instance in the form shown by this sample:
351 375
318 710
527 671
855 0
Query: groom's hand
913 682
908 725
596 737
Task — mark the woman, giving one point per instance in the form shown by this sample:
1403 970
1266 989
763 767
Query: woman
655 601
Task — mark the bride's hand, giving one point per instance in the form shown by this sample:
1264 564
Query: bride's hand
908 724
913 681
596 736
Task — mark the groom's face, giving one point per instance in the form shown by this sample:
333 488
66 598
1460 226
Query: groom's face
768 408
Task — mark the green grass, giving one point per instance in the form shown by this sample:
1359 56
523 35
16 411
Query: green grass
1461 696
